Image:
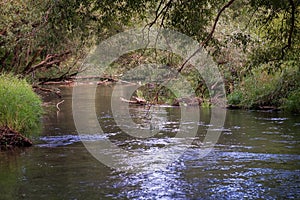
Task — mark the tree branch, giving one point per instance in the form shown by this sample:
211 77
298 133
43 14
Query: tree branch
50 60
290 34
215 22
208 38
291 31
34 57
158 14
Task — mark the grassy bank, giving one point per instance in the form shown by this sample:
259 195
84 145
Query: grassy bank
20 108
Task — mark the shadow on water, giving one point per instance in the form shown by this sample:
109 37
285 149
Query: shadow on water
256 157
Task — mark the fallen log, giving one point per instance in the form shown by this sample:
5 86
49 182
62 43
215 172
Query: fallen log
57 83
105 82
136 100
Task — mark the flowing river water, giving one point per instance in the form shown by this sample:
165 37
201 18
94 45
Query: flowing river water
257 157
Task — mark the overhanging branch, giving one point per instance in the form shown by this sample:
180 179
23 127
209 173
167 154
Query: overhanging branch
208 38
162 12
49 61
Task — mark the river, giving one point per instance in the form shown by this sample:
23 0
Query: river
257 156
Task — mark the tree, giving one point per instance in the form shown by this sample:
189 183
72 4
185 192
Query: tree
46 39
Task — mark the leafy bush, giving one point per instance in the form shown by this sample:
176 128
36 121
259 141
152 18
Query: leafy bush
263 88
20 107
235 98
292 102
259 89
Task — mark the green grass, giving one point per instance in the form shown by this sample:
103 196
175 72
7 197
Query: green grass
20 107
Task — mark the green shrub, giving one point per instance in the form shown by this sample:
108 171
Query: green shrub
279 88
292 102
260 89
20 107
235 98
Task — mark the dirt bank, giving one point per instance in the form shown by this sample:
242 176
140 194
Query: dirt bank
10 139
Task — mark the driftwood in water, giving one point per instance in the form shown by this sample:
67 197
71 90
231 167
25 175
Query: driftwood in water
58 83
10 138
106 82
136 100
268 108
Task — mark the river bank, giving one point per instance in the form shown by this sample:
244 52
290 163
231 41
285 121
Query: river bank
10 139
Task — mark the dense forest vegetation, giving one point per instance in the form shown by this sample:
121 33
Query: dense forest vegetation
254 42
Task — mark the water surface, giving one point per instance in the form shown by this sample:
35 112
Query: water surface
256 157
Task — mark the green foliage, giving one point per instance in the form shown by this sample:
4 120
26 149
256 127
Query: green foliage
280 88
258 89
20 107
18 28
163 71
235 98
192 17
46 39
256 43
277 27
292 102
206 104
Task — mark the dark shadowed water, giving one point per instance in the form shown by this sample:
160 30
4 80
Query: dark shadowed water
257 157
